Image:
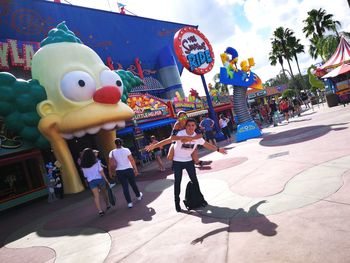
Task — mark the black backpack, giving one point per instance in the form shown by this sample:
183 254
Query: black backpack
194 198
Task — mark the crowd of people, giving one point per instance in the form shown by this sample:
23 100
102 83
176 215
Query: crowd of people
270 113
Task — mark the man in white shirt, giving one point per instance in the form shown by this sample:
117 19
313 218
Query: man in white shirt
183 160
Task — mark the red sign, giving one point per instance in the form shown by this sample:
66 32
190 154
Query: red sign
193 50
18 52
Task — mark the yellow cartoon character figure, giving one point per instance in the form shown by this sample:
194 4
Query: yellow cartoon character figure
229 59
83 97
246 65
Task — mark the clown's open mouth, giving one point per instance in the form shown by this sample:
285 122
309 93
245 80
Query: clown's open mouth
93 130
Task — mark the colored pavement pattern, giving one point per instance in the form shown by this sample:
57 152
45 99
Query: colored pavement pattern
280 198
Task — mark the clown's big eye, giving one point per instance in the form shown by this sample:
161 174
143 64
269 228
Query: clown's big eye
78 86
110 78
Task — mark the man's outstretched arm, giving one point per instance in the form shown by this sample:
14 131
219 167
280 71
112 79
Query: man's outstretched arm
158 144
212 147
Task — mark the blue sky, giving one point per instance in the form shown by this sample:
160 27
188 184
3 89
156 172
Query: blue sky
246 25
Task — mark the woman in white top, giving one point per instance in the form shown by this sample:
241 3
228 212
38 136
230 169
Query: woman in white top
223 122
93 172
124 164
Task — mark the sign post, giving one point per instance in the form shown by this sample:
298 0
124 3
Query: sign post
195 53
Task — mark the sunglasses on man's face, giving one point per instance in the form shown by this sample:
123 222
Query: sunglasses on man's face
182 118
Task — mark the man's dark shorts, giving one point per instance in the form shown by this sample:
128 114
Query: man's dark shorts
209 135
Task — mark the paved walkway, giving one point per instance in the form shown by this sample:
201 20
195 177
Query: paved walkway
280 198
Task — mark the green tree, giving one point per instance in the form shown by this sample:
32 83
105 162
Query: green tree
223 88
275 56
280 79
323 47
317 24
329 45
280 39
295 48
288 93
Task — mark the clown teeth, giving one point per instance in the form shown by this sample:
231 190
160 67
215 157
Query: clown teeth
67 136
121 124
109 126
93 130
79 133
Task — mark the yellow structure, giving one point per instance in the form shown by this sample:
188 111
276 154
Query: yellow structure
83 97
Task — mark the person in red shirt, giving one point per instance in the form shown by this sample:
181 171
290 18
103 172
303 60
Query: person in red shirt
284 108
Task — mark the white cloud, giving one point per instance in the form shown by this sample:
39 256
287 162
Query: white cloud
223 26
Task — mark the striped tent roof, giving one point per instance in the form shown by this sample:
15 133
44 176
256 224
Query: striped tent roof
340 56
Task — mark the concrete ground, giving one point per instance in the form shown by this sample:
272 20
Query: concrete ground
280 198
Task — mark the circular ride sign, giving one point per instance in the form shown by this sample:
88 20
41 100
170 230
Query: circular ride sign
193 50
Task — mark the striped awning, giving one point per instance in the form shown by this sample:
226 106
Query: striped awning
196 113
342 69
340 56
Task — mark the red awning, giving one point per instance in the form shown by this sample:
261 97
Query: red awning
227 106
344 68
340 56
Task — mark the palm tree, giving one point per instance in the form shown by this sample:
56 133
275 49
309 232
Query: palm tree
295 48
323 47
316 25
318 22
279 42
329 45
316 47
223 88
276 55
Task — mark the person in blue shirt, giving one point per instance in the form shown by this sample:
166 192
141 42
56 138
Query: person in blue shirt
207 125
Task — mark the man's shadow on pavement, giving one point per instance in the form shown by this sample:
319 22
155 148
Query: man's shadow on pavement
239 220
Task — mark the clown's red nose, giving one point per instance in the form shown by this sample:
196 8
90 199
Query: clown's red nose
107 95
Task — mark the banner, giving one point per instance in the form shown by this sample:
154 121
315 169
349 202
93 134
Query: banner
147 106
16 53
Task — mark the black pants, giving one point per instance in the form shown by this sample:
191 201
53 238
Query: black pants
191 170
127 177
226 132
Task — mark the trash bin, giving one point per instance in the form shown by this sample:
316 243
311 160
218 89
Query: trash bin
332 100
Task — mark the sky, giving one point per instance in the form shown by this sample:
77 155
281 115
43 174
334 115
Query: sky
246 25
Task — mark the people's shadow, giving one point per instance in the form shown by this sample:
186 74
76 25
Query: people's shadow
239 220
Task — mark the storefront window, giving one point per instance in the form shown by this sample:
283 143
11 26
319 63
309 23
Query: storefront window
20 176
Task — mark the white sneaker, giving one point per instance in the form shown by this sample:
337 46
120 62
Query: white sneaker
140 197
130 205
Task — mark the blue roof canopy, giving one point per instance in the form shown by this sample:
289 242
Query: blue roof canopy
146 126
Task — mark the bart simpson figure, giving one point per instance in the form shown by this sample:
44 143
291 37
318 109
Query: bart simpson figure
245 66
